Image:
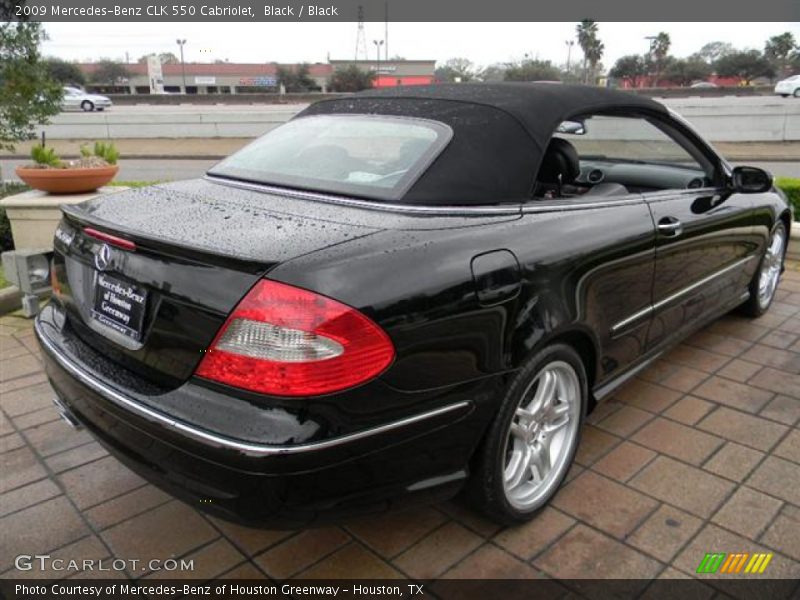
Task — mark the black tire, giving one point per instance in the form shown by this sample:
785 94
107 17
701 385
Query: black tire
755 306
87 106
485 489
797 93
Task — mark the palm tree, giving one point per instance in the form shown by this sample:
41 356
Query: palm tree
659 51
587 36
594 53
778 51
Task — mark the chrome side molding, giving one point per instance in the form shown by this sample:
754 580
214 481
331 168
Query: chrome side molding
645 312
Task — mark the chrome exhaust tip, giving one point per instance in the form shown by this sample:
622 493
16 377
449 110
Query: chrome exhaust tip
66 414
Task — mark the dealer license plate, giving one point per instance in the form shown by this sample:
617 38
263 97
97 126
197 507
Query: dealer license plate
119 305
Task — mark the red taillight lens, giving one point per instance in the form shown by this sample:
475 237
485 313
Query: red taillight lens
286 341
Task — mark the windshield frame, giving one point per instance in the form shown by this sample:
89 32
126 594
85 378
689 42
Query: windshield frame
444 133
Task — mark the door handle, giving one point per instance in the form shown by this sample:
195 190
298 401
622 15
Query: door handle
670 227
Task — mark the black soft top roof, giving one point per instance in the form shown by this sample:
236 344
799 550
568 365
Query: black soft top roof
500 131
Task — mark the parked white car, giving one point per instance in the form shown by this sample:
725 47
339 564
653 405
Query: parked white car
789 86
77 99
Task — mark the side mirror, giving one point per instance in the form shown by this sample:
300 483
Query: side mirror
573 127
751 180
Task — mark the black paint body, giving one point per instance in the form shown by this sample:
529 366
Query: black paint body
464 294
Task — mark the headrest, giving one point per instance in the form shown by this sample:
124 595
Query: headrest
560 158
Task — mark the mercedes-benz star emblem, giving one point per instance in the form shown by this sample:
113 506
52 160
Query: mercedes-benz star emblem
102 259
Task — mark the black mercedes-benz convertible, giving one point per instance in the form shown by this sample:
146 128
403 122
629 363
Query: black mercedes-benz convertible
399 295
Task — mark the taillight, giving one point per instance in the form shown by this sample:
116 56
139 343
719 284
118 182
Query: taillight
286 341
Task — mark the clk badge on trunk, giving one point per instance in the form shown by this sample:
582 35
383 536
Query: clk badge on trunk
102 260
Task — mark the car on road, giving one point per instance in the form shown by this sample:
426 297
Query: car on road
399 296
78 99
704 84
789 87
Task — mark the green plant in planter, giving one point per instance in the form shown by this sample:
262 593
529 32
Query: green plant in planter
45 156
108 152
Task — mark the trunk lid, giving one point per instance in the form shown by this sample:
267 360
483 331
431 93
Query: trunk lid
199 248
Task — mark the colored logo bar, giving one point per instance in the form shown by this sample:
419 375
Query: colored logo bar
735 563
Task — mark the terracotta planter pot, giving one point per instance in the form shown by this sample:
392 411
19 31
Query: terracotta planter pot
67 181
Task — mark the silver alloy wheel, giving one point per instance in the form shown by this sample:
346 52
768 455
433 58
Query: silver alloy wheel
542 436
771 268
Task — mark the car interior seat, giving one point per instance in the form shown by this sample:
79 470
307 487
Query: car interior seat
561 167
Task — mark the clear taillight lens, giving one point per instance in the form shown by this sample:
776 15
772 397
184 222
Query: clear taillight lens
280 344
286 341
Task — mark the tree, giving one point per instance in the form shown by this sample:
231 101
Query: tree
351 79
593 54
573 75
685 71
109 72
531 70
779 49
457 69
296 79
746 65
493 73
659 53
166 58
713 51
28 96
631 67
64 72
586 32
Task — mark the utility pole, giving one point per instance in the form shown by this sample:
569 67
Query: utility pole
361 37
183 64
570 44
386 32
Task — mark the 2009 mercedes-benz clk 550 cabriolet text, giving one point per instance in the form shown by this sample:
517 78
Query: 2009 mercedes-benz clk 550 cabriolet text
399 295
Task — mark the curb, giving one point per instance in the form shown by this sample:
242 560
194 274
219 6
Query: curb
10 299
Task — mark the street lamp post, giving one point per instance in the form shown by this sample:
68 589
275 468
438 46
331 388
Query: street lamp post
378 44
183 65
652 39
570 44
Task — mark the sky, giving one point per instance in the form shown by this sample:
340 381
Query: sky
482 43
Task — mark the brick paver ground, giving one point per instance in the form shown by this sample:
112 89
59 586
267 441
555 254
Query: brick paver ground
700 453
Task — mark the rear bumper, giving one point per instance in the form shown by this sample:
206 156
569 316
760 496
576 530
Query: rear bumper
286 485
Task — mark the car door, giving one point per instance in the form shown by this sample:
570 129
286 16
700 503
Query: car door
701 253
703 247
71 100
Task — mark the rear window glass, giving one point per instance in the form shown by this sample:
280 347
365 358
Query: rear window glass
370 156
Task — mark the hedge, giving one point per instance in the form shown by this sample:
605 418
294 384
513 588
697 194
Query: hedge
791 187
